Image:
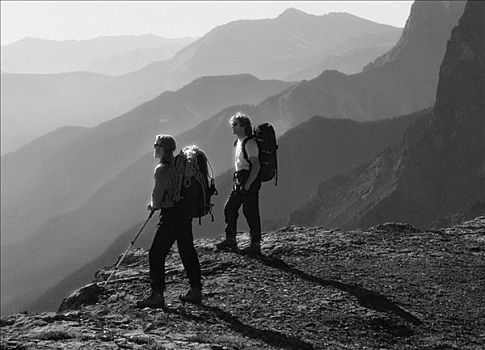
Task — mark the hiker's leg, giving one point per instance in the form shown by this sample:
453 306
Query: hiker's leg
231 209
162 242
188 254
251 212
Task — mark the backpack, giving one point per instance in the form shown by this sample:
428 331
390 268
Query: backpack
194 186
265 137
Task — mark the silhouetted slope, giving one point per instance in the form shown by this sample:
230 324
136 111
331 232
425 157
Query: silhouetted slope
389 287
439 167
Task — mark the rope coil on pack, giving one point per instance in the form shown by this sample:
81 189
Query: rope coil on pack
186 169
175 179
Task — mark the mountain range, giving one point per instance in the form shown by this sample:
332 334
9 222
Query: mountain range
119 203
34 104
438 169
68 174
114 55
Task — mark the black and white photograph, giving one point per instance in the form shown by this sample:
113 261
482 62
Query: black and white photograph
235 175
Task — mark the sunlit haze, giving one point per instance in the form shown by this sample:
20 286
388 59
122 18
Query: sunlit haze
67 20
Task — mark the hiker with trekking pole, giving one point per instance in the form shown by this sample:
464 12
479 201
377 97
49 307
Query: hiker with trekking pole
173 226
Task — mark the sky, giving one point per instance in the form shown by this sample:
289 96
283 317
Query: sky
68 20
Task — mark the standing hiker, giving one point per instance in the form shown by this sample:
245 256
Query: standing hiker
246 186
172 227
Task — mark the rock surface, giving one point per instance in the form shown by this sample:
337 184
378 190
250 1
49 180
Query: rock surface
393 286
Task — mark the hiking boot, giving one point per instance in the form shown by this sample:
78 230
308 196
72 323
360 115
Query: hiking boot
252 249
194 296
154 301
227 244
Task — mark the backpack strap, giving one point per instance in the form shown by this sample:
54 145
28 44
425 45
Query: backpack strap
276 172
245 154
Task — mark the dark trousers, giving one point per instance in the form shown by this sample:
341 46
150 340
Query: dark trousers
173 228
250 203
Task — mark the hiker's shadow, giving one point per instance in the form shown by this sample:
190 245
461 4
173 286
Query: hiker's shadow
270 337
365 297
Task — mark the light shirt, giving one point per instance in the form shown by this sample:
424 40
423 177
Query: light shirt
252 151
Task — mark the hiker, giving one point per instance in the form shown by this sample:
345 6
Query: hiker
246 186
171 227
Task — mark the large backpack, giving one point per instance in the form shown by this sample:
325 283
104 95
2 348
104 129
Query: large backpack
194 185
265 137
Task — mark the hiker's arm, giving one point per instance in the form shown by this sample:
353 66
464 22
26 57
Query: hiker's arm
161 183
253 174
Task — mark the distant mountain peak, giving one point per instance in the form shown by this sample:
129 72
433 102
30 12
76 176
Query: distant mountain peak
331 73
27 39
296 13
342 14
293 12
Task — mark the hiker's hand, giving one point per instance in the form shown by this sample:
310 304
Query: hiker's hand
247 187
150 208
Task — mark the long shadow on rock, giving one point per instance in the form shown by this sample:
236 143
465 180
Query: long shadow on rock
270 337
366 297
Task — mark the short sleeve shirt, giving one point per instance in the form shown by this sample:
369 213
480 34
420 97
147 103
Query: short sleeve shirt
252 151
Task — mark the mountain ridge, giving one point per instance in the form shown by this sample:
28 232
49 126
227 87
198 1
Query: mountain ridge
264 49
438 169
79 55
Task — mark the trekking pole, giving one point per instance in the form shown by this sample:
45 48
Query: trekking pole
126 251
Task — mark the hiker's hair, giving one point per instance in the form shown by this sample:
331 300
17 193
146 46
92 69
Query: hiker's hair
244 120
169 146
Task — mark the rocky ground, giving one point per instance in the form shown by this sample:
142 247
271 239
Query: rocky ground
389 287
